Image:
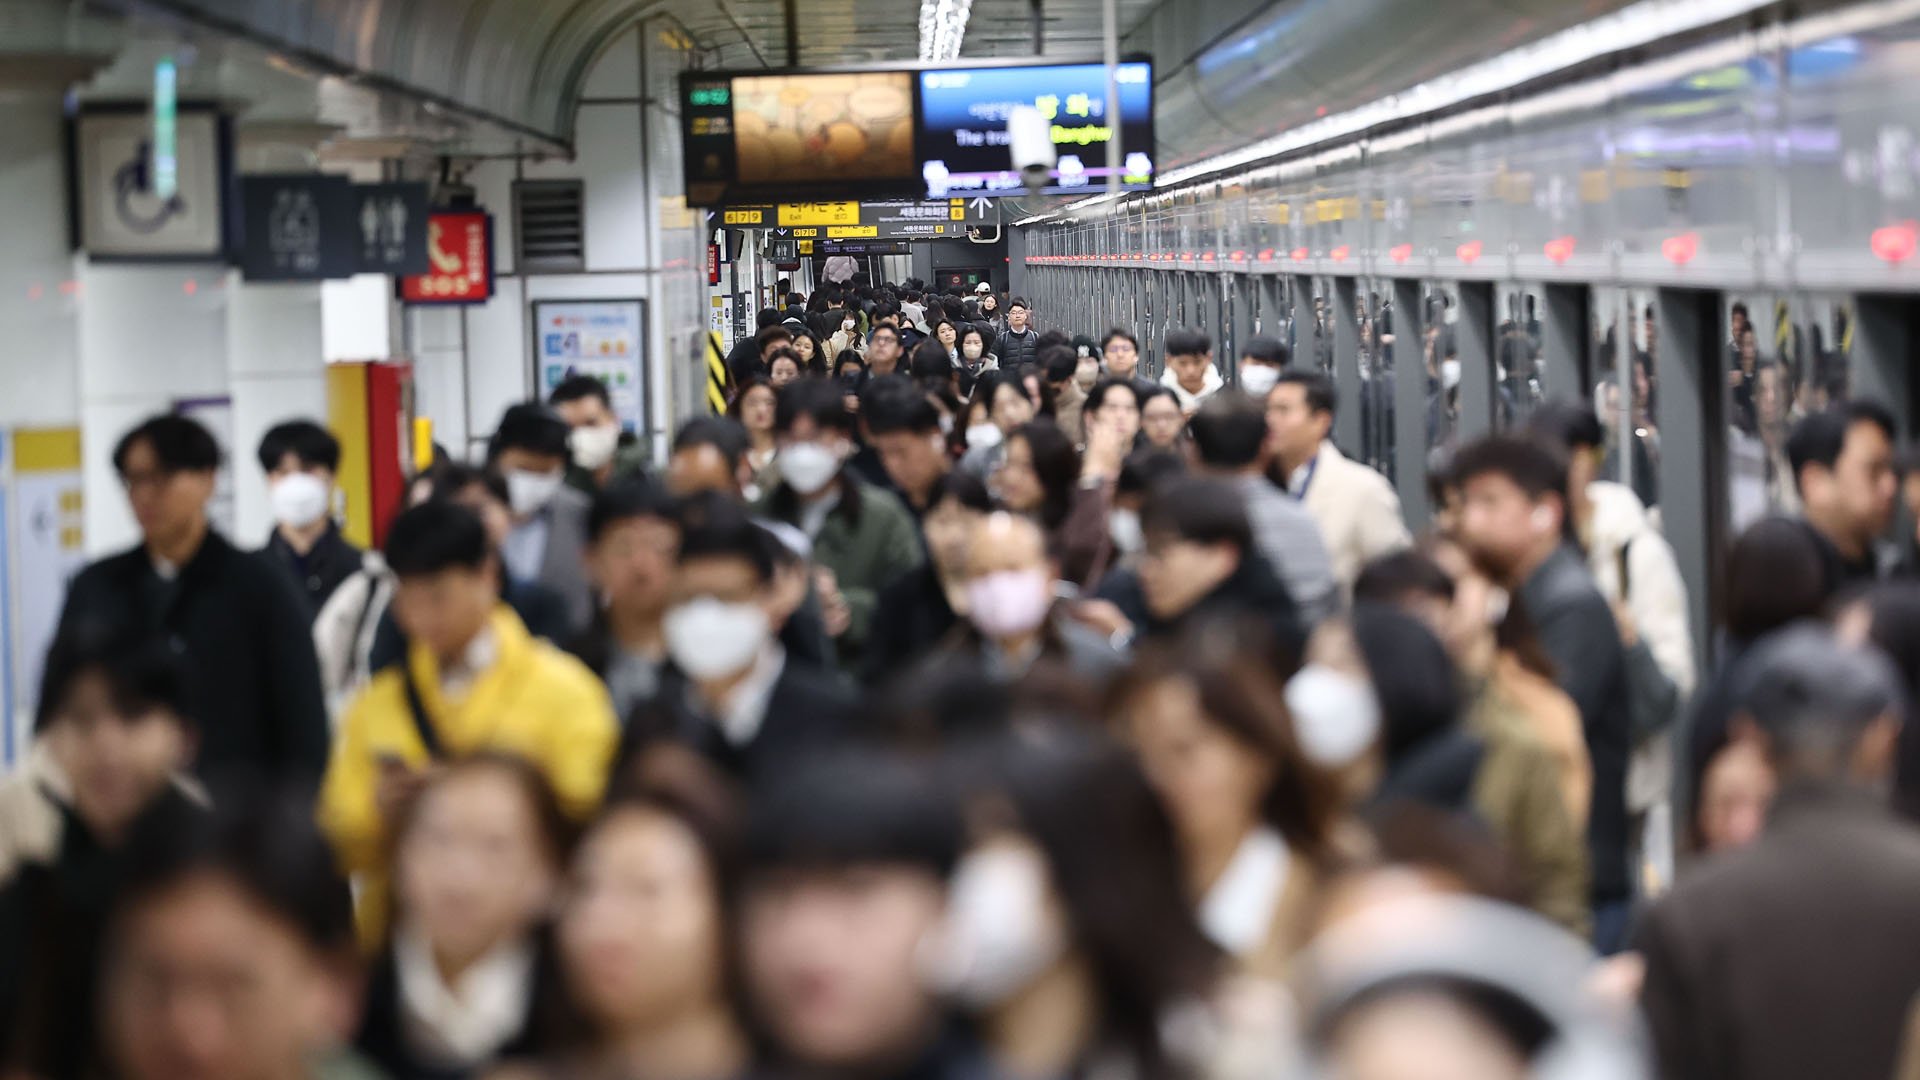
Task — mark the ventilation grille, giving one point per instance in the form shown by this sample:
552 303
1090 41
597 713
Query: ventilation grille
549 218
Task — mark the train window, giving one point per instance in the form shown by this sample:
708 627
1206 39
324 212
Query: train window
1323 319
1626 352
1786 357
1374 308
1519 376
1440 356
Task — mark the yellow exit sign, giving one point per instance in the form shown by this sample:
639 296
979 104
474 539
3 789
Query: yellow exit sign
744 217
819 213
853 232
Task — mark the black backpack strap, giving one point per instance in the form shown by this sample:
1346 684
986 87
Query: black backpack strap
421 724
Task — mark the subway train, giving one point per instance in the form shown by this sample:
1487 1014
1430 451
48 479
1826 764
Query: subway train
1719 222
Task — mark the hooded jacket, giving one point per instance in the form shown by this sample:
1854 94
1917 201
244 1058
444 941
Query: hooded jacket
1190 402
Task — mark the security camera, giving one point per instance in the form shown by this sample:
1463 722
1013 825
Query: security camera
1030 137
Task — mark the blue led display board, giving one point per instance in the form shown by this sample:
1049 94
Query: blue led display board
962 140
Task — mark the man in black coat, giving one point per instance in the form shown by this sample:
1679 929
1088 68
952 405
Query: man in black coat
1795 956
253 678
732 692
1513 523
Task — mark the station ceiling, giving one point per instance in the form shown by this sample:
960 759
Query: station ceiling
1228 72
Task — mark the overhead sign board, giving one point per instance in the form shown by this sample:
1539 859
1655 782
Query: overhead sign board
893 219
390 222
460 260
296 227
762 136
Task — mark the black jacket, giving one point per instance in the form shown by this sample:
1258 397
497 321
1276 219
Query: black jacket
319 571
382 1038
1253 591
1576 628
52 919
808 710
1016 348
252 673
910 617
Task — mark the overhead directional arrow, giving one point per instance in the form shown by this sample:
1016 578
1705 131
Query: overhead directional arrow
979 204
779 232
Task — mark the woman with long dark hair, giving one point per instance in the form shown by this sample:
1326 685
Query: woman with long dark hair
1044 477
1255 821
1068 938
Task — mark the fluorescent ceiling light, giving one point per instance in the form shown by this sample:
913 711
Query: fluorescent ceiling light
943 25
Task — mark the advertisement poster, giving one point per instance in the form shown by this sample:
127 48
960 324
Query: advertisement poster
45 532
602 338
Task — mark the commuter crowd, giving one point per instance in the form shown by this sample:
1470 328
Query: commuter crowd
967 703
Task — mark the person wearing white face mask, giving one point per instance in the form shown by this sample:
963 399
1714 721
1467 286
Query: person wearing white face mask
1074 958
600 449
847 336
733 693
863 536
1262 359
548 539
299 458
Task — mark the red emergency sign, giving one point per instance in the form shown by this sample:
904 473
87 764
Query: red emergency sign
460 249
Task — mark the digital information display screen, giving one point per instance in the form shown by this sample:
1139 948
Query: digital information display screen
777 137
963 142
849 131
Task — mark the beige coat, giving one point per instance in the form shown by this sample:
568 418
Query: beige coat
1358 513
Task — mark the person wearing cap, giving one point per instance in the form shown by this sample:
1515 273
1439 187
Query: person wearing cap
548 540
1795 956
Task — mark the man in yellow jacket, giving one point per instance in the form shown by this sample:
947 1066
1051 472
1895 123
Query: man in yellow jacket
474 680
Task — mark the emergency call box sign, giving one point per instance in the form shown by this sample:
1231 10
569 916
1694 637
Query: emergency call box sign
460 261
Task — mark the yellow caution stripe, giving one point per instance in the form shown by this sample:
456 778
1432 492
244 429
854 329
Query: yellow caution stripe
716 374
